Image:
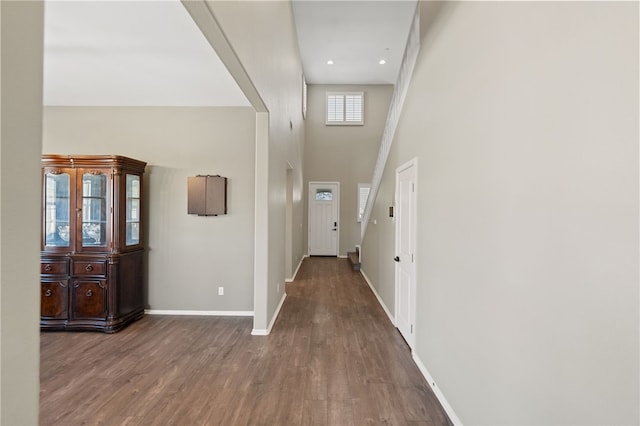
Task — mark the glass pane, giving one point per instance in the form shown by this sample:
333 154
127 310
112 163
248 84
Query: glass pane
133 186
56 215
133 210
94 210
133 233
324 195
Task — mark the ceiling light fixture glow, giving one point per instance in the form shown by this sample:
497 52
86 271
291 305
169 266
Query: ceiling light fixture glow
382 62
329 62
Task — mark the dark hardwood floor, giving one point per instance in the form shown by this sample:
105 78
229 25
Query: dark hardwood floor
333 358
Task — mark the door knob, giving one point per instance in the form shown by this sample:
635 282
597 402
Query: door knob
397 259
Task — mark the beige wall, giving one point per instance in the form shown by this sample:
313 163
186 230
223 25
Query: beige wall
264 38
378 247
524 121
345 154
188 256
21 25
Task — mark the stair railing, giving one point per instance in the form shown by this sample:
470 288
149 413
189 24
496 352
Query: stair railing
395 108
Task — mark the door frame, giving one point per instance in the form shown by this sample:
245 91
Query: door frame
337 200
414 272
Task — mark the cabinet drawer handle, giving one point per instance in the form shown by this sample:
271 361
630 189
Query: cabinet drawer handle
89 293
88 268
48 268
48 293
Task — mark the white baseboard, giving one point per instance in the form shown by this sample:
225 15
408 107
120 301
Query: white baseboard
265 332
290 280
342 257
443 401
199 313
375 292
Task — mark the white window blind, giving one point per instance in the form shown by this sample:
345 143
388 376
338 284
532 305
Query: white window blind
345 108
363 195
353 108
335 108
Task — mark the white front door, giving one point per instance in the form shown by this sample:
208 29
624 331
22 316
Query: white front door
405 249
324 199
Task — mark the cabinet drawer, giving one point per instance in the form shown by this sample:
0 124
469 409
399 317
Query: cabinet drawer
89 268
55 267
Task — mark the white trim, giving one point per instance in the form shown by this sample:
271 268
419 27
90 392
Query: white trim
430 381
340 256
443 401
375 292
290 280
265 332
199 313
411 164
343 121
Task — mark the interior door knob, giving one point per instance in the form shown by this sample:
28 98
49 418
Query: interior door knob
397 259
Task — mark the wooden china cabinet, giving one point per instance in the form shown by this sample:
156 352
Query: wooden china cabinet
92 253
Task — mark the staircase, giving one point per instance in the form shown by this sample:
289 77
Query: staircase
397 101
354 258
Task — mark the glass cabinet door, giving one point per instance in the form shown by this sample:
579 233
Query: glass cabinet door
132 230
94 210
56 209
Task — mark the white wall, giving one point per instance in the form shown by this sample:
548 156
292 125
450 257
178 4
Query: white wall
346 154
264 39
21 35
188 256
524 120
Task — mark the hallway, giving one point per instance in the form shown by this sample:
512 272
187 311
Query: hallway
333 358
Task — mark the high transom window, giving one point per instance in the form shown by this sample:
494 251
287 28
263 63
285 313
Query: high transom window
345 108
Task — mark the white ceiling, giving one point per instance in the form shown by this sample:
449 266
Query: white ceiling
151 53
131 53
355 35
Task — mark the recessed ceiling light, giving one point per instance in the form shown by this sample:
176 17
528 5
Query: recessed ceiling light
382 62
329 62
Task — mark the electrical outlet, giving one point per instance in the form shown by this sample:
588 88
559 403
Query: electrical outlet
278 287
220 291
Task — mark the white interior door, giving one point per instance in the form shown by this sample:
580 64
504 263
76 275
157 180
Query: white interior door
324 199
405 249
